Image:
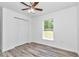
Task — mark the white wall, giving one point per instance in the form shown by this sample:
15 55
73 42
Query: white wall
78 27
15 31
65 29
0 28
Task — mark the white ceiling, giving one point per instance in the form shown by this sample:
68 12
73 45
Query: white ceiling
47 7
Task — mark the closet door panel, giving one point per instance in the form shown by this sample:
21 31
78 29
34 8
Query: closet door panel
22 32
10 33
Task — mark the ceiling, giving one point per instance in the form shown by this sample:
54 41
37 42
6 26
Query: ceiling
47 7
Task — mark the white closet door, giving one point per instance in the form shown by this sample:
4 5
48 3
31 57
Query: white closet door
10 33
16 33
22 32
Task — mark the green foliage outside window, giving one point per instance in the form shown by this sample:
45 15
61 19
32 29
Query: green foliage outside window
48 25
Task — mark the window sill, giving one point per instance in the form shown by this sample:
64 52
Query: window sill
49 39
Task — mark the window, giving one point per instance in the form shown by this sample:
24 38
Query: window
48 29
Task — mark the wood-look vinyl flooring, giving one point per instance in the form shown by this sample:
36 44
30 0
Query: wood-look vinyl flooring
37 50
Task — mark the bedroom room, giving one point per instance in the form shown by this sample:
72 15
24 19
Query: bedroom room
39 29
